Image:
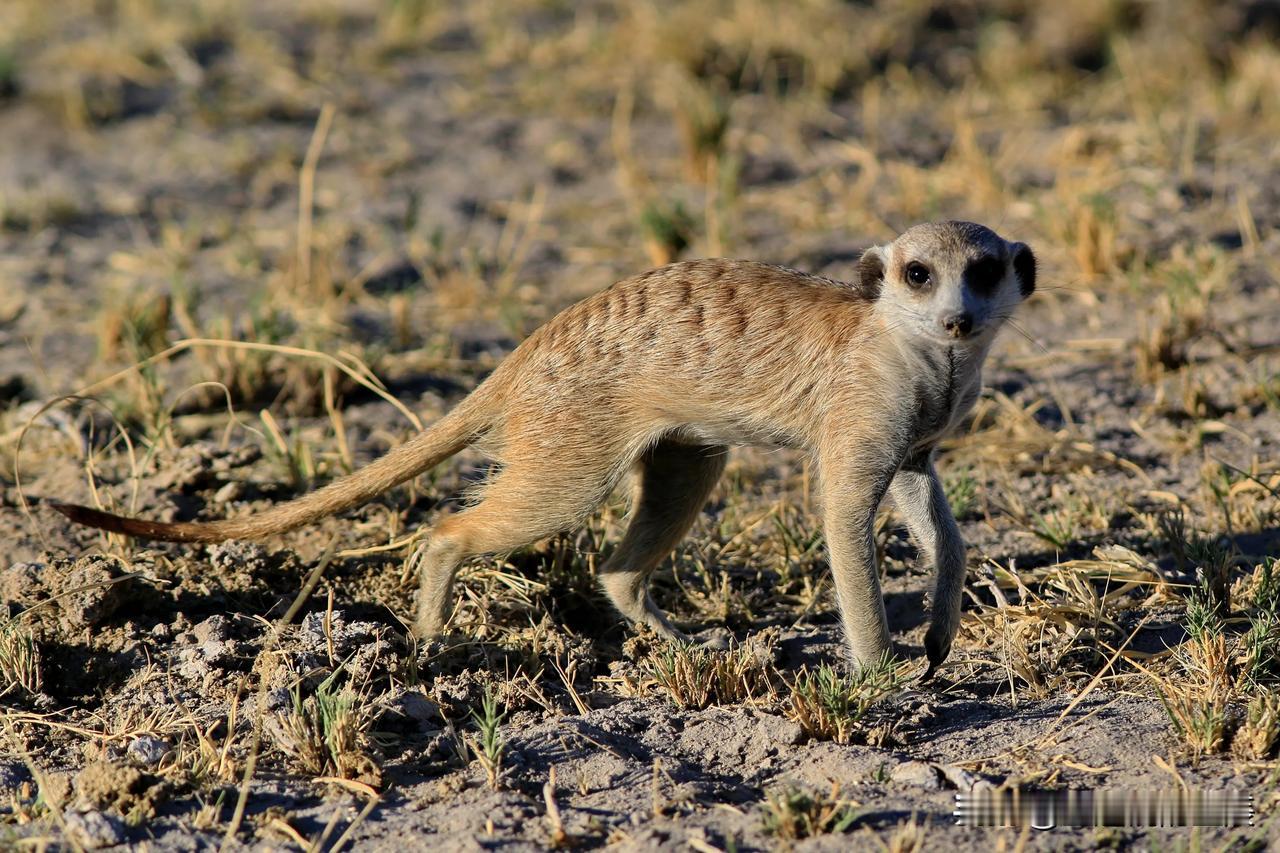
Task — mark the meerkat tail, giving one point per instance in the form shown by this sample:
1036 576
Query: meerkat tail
421 453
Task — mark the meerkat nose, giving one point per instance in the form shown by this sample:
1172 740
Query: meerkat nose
958 325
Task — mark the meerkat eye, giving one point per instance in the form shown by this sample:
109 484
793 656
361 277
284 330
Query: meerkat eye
917 274
984 274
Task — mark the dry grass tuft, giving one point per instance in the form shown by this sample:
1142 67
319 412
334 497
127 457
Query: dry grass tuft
1220 690
1058 616
696 677
792 813
1007 434
1181 311
327 732
1259 731
703 115
19 657
829 706
907 837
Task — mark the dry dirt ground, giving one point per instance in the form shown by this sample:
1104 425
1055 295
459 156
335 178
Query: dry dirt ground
245 247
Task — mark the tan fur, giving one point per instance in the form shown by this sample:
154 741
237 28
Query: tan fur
663 372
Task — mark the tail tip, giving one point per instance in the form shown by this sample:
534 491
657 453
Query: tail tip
86 515
71 511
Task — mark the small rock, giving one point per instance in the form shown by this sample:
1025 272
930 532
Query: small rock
217 653
962 779
359 643
213 628
716 639
228 557
785 732
918 773
94 830
231 491
279 700
191 666
104 784
147 750
198 466
412 705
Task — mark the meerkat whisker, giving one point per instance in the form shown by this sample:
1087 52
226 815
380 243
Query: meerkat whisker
1024 333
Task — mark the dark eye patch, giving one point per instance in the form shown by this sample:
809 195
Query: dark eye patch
984 274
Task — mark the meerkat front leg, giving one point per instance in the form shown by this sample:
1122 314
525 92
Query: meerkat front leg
917 490
851 494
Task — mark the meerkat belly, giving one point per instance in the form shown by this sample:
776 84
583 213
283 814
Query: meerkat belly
736 432
737 402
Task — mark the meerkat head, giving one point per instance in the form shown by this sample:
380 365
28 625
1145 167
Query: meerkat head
949 282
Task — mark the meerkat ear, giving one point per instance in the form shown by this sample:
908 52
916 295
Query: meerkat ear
1024 266
871 272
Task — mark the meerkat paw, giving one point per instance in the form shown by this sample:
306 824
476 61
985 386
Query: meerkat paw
673 635
937 645
714 639
427 625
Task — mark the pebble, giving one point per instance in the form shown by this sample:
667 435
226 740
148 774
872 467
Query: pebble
918 773
962 779
418 708
94 830
147 750
229 492
213 628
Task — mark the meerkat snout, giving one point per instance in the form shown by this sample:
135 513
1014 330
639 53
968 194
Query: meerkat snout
958 324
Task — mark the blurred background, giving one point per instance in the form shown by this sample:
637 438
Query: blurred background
476 166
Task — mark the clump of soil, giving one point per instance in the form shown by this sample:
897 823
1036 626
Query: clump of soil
78 593
125 790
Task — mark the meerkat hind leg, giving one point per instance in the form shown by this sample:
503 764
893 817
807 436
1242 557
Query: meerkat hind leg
524 504
674 481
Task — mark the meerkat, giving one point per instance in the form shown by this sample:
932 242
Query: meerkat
663 372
